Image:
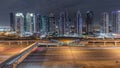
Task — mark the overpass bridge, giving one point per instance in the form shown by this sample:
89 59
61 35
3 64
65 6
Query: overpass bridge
34 55
16 59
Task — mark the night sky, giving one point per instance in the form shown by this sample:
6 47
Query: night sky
56 6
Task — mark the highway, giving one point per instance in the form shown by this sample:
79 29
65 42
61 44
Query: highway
72 57
92 55
7 50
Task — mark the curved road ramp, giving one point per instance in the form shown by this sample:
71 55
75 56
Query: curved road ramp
35 56
13 61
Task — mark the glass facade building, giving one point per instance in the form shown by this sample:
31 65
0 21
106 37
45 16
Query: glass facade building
79 23
105 22
19 24
115 17
89 21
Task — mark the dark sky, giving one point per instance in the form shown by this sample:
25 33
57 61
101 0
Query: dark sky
47 6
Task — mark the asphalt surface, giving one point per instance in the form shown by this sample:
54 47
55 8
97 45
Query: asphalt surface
72 57
7 51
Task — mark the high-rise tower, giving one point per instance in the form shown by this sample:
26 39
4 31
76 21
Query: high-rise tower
62 23
79 23
89 21
52 23
38 23
115 17
105 22
12 21
19 24
45 25
30 23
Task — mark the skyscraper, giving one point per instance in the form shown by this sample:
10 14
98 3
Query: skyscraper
42 24
27 22
47 24
79 23
105 22
62 23
67 24
19 24
89 21
12 21
52 23
38 23
30 23
115 17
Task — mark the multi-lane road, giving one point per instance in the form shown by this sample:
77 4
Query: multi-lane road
8 50
65 56
72 57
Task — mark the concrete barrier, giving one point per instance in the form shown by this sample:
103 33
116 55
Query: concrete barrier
13 61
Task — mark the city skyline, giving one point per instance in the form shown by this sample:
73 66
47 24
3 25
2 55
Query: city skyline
63 25
59 33
55 6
